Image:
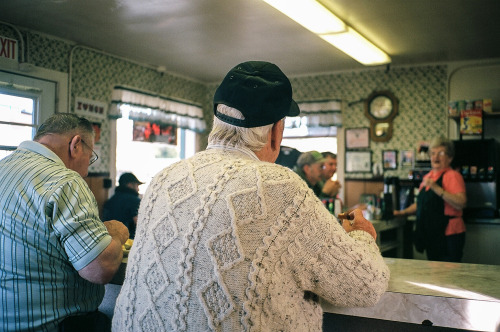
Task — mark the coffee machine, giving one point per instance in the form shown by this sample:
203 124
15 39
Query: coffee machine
391 197
398 195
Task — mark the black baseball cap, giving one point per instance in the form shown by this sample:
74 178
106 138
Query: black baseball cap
126 178
260 91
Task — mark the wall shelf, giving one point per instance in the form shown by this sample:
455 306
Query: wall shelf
486 115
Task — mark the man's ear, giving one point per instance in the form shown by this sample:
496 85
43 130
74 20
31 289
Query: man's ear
306 168
74 146
276 135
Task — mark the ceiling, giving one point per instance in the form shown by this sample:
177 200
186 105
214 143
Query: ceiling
203 39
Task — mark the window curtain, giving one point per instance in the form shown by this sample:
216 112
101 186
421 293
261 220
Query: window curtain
155 108
326 113
316 119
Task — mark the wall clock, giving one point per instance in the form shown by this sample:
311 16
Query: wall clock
381 107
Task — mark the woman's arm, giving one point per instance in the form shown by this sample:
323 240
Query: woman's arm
412 209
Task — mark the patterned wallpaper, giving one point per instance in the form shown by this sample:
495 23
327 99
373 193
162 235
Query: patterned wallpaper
422 103
94 74
420 90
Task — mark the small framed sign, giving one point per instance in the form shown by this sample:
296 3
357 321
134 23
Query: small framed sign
358 161
390 159
87 107
357 138
407 158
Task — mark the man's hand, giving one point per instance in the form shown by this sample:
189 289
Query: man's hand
117 230
359 224
331 188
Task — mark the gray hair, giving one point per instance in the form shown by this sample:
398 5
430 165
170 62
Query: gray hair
226 134
65 123
448 145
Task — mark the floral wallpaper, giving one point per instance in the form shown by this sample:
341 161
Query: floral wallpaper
421 90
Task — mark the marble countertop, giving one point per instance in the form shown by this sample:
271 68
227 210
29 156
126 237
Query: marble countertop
455 295
456 280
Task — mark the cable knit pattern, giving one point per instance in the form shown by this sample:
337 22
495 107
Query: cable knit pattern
228 243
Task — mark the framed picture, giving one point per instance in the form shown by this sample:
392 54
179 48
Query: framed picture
407 158
357 138
390 159
358 161
97 131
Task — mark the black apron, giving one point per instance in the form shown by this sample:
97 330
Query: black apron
431 223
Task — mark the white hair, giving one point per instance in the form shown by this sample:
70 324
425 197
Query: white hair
227 134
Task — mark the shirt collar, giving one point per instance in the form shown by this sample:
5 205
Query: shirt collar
40 149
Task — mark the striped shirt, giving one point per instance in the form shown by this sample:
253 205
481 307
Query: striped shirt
49 229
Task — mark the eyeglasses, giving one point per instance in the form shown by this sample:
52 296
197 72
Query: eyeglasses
437 153
94 155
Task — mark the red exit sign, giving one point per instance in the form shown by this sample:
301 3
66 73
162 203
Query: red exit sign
8 48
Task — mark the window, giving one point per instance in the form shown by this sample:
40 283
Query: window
299 135
146 157
25 102
320 144
17 120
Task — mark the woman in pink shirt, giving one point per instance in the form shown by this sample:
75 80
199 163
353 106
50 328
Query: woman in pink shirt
440 229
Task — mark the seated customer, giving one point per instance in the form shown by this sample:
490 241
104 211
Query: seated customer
309 167
124 204
229 241
56 254
329 187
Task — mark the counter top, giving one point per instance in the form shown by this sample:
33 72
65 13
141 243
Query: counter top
456 280
456 295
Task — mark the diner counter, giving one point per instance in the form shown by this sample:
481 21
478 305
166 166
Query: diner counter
454 295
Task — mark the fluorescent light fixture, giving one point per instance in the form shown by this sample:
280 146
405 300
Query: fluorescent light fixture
310 14
357 47
315 17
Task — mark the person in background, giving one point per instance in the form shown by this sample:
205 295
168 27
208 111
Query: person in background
440 229
55 253
124 204
329 187
309 167
288 156
229 241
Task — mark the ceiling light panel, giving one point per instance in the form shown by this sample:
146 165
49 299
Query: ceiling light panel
310 14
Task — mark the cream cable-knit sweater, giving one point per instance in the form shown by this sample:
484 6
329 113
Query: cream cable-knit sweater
228 243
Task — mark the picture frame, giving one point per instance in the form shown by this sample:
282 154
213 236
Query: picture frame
358 161
390 159
97 131
407 158
357 138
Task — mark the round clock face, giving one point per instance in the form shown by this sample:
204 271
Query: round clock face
381 107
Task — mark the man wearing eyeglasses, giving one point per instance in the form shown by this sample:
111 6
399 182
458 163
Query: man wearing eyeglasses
55 253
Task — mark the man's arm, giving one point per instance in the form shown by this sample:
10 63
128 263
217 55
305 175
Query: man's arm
102 269
343 265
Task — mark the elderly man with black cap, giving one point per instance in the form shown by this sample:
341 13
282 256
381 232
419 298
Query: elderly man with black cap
229 241
124 204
